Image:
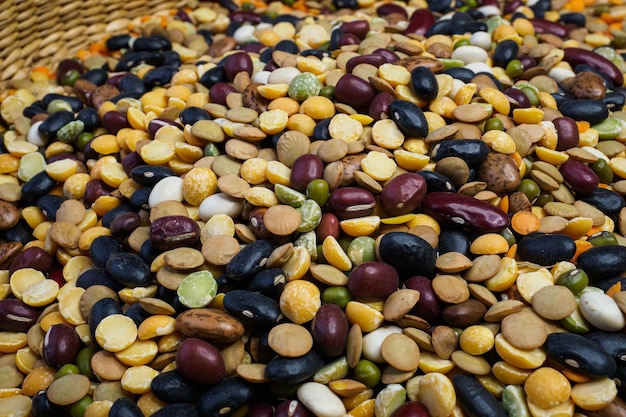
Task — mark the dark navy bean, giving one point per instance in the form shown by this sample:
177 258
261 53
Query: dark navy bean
226 397
132 59
54 122
102 308
75 103
98 276
89 117
409 118
250 260
318 53
132 83
321 131
440 27
408 254
269 282
137 313
43 407
454 239
577 19
252 307
546 249
178 410
38 186
32 110
152 43
424 83
614 101
97 76
124 407
607 201
437 182
613 343
460 73
149 175
580 354
440 6
129 269
472 151
172 388
603 262
21 232
287 45
139 199
160 76
505 51
282 370
49 205
102 248
117 42
592 111
190 115
474 398
148 252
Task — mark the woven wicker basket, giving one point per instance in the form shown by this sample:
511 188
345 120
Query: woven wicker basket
42 32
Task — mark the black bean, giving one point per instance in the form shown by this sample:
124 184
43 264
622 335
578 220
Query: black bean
159 76
579 354
603 262
607 201
437 182
592 111
123 407
424 83
49 205
132 83
54 122
472 151
89 116
505 51
149 175
252 307
98 276
408 254
117 42
546 249
250 260
75 103
38 186
226 397
284 370
409 118
129 269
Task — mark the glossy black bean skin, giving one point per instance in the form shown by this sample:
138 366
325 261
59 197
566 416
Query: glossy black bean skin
89 117
124 407
38 186
282 370
21 232
190 115
580 354
54 122
613 343
159 76
149 175
252 307
250 260
437 182
466 211
75 103
592 111
117 42
129 269
409 118
49 205
112 214
321 131
614 101
178 410
16 316
137 313
43 407
102 248
226 397
172 388
603 262
408 254
454 239
139 199
577 19
546 249
460 73
152 43
474 398
505 51
269 282
607 201
132 83
424 83
472 151
98 276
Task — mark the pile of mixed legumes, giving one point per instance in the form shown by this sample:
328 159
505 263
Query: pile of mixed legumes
320 209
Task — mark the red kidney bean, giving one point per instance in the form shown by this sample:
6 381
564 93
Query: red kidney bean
124 224
329 226
546 26
380 105
403 194
348 39
389 55
428 306
306 168
375 60
94 189
219 92
581 56
291 408
60 345
200 362
114 121
32 257
528 62
511 6
567 130
391 8
465 210
517 98
411 409
236 63
170 232
358 27
241 16
580 177
16 316
372 281
421 20
329 329
354 91
351 202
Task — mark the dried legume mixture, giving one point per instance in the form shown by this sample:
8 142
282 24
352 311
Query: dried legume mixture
323 209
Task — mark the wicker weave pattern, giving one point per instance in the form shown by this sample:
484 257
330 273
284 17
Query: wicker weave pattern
42 32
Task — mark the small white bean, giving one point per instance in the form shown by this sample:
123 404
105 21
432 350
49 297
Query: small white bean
320 400
220 203
373 341
169 188
601 311
469 54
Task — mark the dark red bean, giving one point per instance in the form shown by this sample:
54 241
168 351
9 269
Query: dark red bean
428 306
372 281
16 316
219 92
32 257
94 189
354 91
236 63
200 362
329 329
375 60
466 211
291 408
348 39
420 22
391 8
567 130
170 232
389 55
517 98
329 226
580 177
159 122
114 121
358 27
241 16
546 26
403 194
380 105
351 202
411 409
306 168
60 345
